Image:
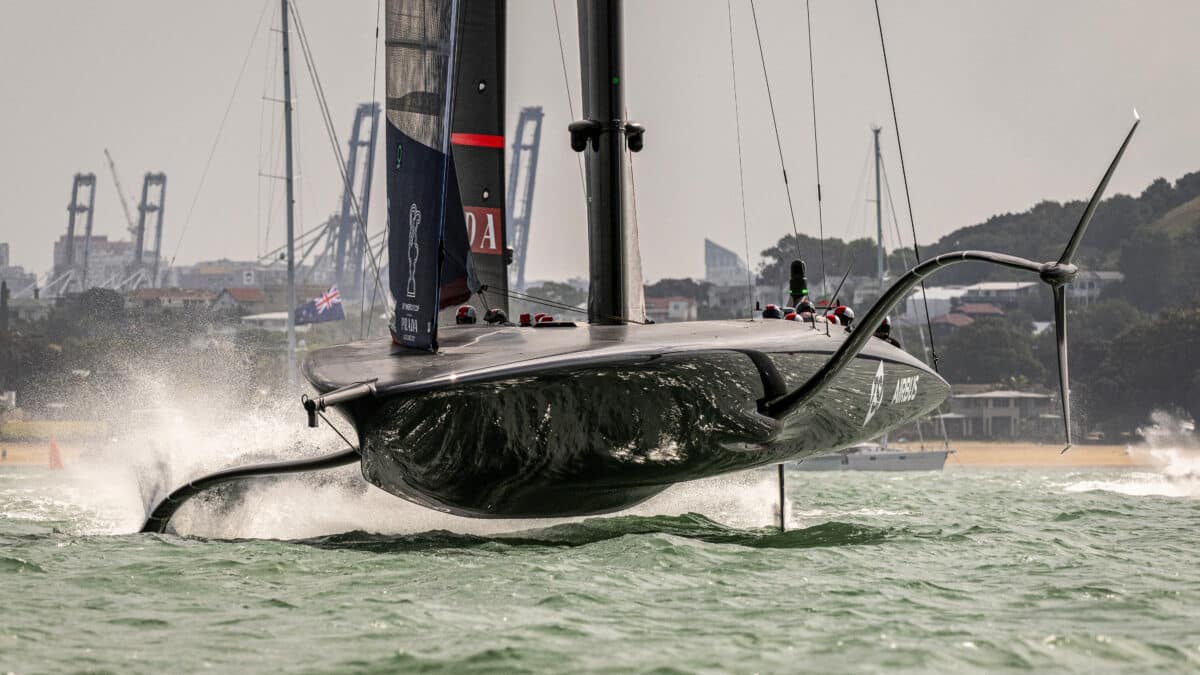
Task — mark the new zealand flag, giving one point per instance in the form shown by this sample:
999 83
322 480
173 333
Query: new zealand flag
328 307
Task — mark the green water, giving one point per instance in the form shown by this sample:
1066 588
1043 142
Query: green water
956 571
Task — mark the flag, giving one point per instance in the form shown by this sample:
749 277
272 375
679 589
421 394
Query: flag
327 307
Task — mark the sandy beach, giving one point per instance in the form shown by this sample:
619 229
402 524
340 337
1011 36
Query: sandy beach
23 453
975 454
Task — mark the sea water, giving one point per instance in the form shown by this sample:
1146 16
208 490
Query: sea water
963 570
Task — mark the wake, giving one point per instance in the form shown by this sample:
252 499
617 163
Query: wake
112 486
1175 456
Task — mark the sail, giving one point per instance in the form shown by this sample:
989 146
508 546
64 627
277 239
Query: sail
445 113
420 37
478 141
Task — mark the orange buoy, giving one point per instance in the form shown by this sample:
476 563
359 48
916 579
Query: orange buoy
55 455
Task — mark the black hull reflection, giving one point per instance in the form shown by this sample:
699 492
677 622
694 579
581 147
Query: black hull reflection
579 442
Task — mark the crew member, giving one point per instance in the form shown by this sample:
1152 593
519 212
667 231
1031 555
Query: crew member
772 312
845 316
884 332
806 311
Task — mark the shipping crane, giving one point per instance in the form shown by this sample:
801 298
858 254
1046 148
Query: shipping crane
337 247
521 177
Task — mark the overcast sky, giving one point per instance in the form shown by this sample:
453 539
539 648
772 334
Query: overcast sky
1001 104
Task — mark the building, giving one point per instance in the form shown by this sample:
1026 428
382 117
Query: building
723 267
1090 285
276 298
14 275
29 309
1001 414
170 299
239 301
271 321
946 325
1007 294
217 275
978 310
962 315
667 310
109 262
941 300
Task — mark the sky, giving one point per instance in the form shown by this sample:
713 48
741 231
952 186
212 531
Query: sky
1000 104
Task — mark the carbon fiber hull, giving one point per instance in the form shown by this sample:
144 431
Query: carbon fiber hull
510 422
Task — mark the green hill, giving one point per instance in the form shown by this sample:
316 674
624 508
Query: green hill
1179 221
1153 238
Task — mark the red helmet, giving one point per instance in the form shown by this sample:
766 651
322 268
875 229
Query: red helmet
466 314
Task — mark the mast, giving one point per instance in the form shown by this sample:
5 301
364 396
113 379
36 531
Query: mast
878 212
616 294
288 178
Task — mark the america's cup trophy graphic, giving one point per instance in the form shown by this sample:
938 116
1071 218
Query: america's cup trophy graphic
414 223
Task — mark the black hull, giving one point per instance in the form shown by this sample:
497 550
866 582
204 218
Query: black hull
603 424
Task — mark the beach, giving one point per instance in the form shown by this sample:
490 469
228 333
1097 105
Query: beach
976 454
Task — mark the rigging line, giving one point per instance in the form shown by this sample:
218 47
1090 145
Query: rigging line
327 119
274 155
337 431
258 184
362 330
812 82
737 117
887 188
859 198
554 304
375 289
220 130
775 123
562 55
904 177
330 131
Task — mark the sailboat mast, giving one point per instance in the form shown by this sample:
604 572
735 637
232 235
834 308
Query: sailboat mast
878 212
603 135
290 207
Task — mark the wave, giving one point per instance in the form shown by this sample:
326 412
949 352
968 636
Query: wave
1173 453
596 530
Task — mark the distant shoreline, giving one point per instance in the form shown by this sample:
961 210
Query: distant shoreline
967 454
976 454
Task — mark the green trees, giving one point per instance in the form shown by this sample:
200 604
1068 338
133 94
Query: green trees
1132 368
992 351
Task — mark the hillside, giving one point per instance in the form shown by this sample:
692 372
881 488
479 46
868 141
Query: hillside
1153 238
1180 220
1041 231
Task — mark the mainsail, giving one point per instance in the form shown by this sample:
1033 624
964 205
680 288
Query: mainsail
444 90
478 142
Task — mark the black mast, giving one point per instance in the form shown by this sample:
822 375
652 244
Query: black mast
615 269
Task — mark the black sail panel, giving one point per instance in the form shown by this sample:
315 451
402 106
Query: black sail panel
422 194
478 145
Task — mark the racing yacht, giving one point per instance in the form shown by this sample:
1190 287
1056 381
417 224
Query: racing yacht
565 418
